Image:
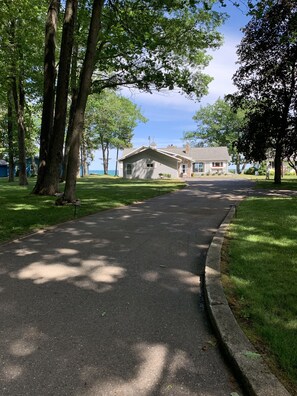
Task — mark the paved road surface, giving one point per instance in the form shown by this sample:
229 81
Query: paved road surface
110 304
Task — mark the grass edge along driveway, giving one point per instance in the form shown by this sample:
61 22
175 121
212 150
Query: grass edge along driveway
22 212
260 279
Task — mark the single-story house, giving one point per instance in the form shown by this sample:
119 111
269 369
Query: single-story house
150 162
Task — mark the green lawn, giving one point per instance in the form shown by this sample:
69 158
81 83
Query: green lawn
261 279
22 212
288 183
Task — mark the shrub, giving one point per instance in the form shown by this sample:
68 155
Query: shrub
250 171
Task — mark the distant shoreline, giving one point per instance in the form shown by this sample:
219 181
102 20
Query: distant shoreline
100 172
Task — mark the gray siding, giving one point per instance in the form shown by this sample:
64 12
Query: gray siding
140 170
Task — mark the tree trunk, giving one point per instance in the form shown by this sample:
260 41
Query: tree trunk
107 159
278 166
116 165
19 103
10 136
104 149
84 88
48 92
55 158
69 133
84 165
74 89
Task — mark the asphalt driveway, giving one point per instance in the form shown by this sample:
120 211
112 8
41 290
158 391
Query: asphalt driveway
110 304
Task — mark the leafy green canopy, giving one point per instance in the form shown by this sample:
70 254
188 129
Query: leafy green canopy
21 44
21 60
266 80
218 125
157 44
110 120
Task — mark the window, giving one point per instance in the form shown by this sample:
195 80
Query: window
198 167
149 165
129 169
217 164
184 168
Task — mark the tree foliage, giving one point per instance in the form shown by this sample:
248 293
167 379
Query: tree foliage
266 82
147 44
218 125
155 45
20 74
110 121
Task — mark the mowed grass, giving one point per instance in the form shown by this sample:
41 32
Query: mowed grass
288 183
261 279
22 212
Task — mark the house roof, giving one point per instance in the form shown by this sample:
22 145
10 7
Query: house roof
194 154
127 153
203 153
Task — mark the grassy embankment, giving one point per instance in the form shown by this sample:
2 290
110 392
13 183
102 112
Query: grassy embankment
261 276
22 212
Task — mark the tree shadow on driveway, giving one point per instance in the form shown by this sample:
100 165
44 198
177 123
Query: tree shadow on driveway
110 304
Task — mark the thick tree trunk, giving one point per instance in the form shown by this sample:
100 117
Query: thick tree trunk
19 103
55 158
10 136
48 91
84 88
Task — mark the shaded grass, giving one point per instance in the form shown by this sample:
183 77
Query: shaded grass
288 183
22 212
262 277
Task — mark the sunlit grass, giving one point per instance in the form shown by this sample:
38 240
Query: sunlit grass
262 276
22 212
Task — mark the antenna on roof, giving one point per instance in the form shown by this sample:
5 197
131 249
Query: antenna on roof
149 139
153 144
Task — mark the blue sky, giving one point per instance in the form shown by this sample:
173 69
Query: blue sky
169 113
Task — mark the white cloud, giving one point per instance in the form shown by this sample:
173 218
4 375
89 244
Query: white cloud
164 98
222 67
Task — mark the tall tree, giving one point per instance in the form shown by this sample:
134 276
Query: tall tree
84 88
266 82
19 103
11 152
168 51
219 125
48 90
49 185
110 121
20 65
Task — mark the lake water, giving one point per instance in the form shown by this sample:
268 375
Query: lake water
100 172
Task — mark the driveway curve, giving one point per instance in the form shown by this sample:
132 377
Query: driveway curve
110 304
